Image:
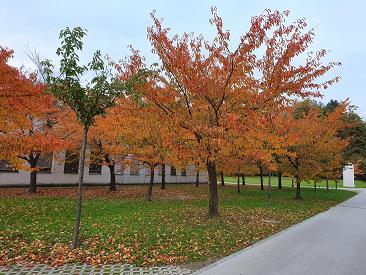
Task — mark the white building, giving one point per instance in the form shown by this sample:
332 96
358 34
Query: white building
57 171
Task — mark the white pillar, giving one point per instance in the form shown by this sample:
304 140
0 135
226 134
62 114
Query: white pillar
348 176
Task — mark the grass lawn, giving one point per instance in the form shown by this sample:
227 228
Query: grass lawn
122 227
286 181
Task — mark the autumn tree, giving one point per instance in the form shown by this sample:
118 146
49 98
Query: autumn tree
200 85
144 134
312 143
105 141
34 124
86 98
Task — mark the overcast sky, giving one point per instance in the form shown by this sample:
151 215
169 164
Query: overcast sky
113 25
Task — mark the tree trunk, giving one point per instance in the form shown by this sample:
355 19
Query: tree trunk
213 203
336 184
269 189
33 177
279 180
112 179
298 195
33 182
112 182
149 191
163 176
315 185
32 160
292 183
197 178
261 175
243 179
238 183
75 236
327 183
222 178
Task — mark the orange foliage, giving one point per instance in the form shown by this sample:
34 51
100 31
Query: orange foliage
32 122
312 146
207 89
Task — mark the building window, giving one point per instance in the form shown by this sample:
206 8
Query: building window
44 163
134 168
173 171
6 167
183 172
95 166
71 162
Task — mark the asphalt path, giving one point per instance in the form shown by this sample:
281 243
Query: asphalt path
333 242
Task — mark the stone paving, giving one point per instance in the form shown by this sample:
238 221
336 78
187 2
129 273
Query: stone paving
88 269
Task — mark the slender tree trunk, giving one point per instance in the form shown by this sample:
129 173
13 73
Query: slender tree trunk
269 189
213 203
336 184
112 181
197 178
222 178
298 188
279 180
238 183
163 176
149 191
243 179
261 175
292 183
327 183
315 185
75 236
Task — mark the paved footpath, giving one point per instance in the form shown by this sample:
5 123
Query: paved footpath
333 242
84 269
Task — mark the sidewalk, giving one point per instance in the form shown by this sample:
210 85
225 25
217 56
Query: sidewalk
333 242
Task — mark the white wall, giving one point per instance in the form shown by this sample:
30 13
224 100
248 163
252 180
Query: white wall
144 176
57 175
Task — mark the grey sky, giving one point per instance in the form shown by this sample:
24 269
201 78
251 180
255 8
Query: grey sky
113 25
